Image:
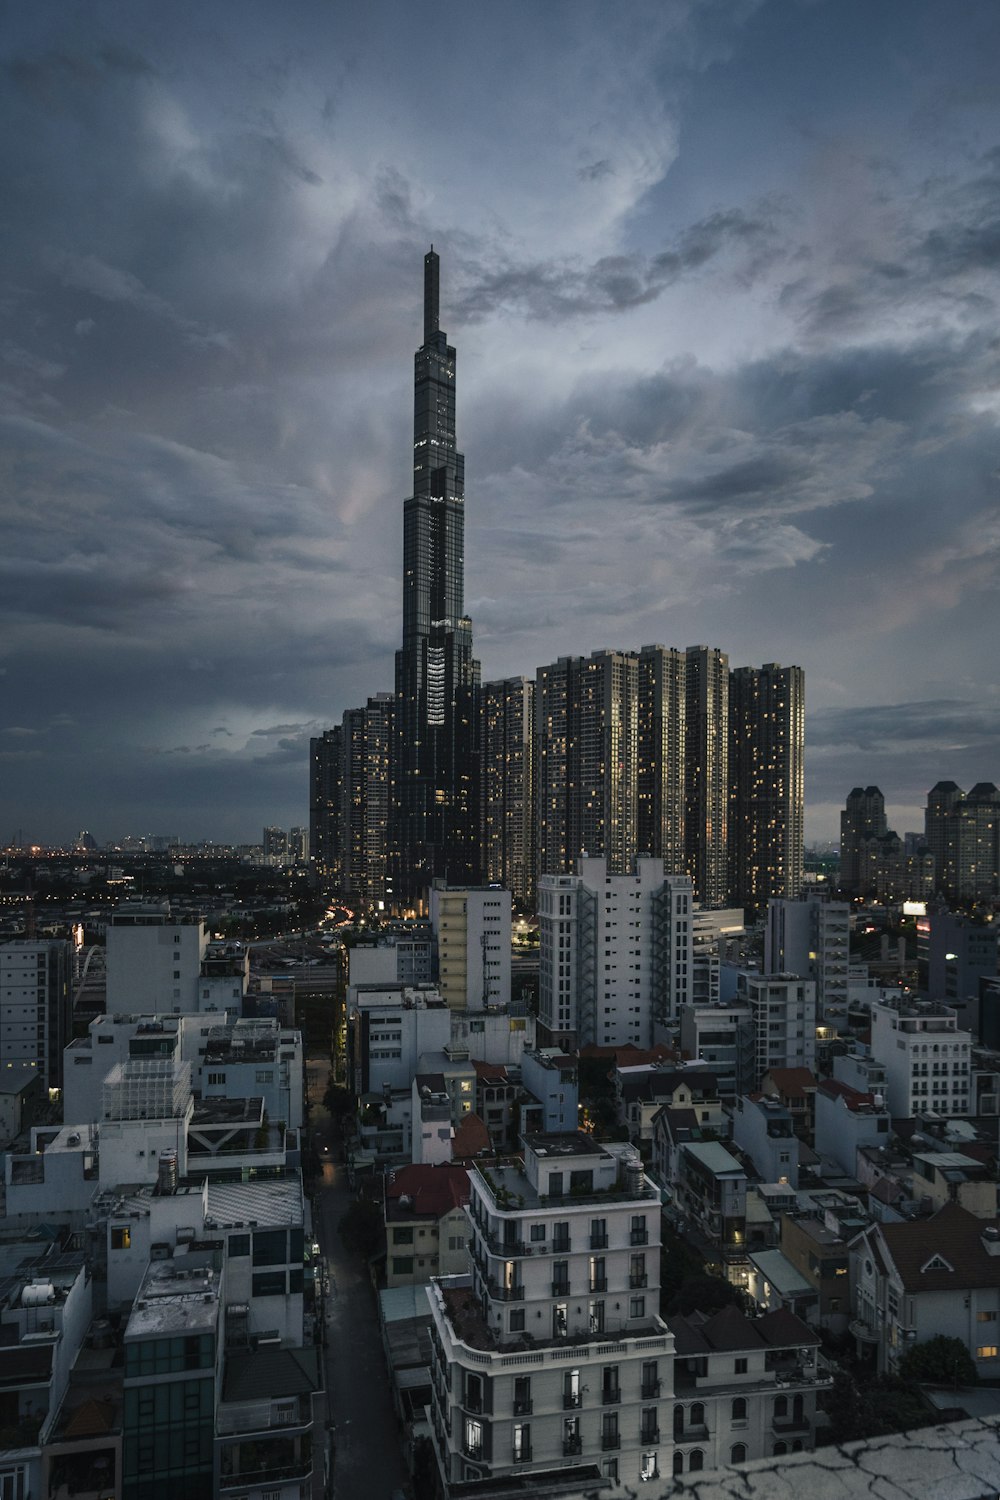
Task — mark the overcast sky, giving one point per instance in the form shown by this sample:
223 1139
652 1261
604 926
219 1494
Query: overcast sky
724 280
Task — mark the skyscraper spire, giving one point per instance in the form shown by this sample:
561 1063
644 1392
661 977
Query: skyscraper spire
436 816
432 294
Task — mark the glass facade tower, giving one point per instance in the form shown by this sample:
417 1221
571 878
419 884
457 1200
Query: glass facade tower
435 795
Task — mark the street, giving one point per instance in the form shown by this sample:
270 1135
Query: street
368 1459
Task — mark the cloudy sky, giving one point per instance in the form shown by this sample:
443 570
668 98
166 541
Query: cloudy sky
724 279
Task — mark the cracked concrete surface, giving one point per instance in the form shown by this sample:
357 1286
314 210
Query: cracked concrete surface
955 1461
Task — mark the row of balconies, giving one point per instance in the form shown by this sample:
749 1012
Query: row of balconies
572 1446
514 1249
571 1400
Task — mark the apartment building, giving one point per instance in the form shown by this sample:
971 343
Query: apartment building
927 1060
552 1354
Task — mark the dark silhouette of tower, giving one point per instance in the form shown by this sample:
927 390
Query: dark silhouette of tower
435 793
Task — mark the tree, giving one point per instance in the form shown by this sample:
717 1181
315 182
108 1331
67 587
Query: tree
361 1228
705 1294
939 1361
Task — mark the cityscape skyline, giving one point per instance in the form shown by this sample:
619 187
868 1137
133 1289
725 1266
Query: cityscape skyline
726 377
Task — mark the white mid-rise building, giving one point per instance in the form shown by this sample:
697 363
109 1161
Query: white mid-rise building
552 1354
811 937
927 1060
35 1006
615 954
471 926
782 1021
154 961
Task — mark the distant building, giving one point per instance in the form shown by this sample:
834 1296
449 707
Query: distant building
36 1006
706 773
766 777
615 953
963 835
507 781
811 937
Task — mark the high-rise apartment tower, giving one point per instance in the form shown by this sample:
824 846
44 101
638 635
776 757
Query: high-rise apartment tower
435 814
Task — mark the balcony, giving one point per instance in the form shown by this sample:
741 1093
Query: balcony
263 1416
572 1446
790 1424
523 1408
522 1455
560 1289
562 1246
639 1237
248 1478
610 1395
505 1293
649 1435
599 1241
599 1284
473 1451
572 1400
510 1249
650 1390
637 1279
610 1441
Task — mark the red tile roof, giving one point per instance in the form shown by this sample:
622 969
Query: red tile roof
470 1139
433 1190
833 1088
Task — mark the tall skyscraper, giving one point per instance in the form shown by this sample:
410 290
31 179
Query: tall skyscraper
766 780
963 835
862 821
326 774
506 783
350 793
436 818
586 720
660 737
707 773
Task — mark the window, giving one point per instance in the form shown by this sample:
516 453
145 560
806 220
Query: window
402 1265
779 1449
740 1367
402 1236
738 1453
522 1442
270 1247
517 1320
696 1460
739 1411
781 1406
216 1079
987 1351
637 1307
239 1244
678 1463
697 1415
522 1395
121 1237
986 1317
473 1446
537 1232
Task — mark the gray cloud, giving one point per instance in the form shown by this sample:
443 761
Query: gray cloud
727 371
615 283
